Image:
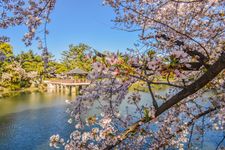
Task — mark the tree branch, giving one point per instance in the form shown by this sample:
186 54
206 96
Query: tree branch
202 58
220 142
154 102
167 26
196 117
212 72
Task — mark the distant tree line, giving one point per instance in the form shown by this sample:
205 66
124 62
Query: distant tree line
27 68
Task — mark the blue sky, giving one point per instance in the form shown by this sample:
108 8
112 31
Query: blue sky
78 21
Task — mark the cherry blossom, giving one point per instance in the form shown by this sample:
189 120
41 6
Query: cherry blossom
181 47
184 42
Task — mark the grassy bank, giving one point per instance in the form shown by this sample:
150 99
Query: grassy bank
141 86
8 93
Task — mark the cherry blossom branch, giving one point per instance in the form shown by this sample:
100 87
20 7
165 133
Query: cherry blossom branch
191 1
196 117
203 130
212 72
187 50
154 102
127 30
169 84
190 138
166 25
194 65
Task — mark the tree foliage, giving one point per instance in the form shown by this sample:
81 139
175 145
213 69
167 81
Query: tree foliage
15 77
6 54
77 57
6 49
22 70
31 61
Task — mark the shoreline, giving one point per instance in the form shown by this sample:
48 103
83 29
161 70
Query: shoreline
9 93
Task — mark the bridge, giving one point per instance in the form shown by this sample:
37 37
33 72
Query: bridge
66 85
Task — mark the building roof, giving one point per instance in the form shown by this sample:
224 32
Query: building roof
76 71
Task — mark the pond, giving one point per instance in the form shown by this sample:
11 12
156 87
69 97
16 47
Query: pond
29 119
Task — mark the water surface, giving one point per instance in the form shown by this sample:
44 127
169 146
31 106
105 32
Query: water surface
29 119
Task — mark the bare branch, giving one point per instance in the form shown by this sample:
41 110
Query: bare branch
220 142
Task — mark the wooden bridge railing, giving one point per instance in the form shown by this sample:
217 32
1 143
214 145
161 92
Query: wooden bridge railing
69 80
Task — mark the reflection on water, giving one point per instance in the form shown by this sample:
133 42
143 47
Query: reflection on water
29 119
